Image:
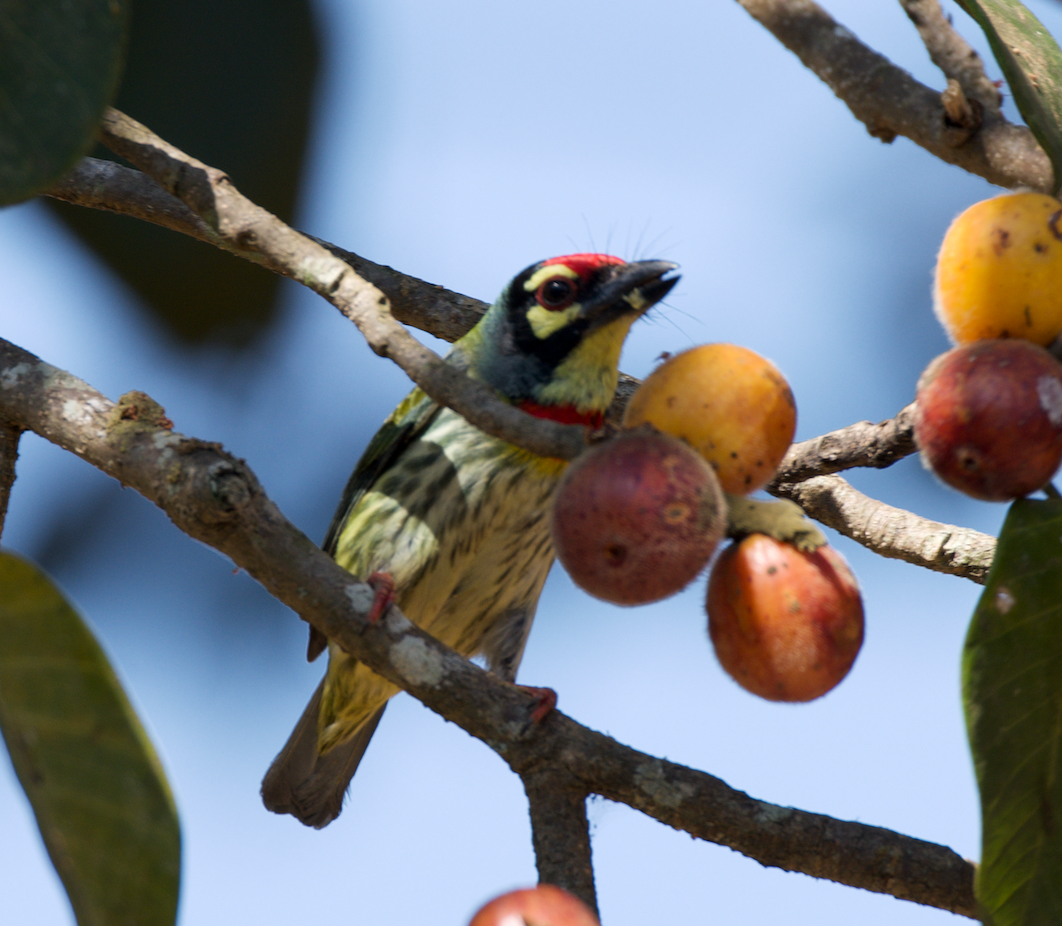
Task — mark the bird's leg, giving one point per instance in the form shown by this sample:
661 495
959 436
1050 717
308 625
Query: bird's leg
545 701
383 584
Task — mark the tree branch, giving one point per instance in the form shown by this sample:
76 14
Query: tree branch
856 854
215 498
889 102
803 477
9 437
111 187
892 532
560 831
860 444
247 228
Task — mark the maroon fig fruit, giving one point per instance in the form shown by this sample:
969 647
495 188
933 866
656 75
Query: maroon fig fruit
637 517
988 418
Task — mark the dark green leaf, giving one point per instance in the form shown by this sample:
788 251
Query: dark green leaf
60 61
231 83
1012 688
100 796
1032 63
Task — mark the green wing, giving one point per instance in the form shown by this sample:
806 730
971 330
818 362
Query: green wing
405 424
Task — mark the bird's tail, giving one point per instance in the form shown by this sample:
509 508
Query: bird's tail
308 785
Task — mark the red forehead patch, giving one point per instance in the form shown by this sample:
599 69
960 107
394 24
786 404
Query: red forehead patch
584 264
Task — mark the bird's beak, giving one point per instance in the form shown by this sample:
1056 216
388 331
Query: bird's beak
629 289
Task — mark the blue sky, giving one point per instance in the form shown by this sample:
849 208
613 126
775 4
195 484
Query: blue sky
460 143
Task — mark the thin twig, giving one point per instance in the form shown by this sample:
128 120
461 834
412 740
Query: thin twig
427 306
244 226
892 532
860 444
113 187
805 478
950 52
215 498
890 102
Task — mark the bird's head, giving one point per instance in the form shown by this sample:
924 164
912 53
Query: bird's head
551 343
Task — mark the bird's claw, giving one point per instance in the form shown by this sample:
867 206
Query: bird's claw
383 584
545 701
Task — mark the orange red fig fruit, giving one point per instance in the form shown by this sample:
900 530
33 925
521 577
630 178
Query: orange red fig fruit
786 625
544 905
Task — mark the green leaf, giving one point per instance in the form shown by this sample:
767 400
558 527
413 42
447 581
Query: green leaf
1032 63
60 61
1012 689
100 796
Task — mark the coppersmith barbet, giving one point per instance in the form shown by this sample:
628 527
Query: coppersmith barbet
460 519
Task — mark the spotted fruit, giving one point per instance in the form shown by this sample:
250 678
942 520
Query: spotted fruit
637 517
999 271
988 418
786 625
729 403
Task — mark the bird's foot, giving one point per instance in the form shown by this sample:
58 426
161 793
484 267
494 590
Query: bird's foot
383 584
545 701
782 520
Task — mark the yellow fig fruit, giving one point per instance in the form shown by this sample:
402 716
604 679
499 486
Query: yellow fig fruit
999 271
728 403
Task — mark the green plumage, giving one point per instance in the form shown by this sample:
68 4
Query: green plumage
458 518
461 522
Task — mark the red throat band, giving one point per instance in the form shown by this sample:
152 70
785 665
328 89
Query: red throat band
564 414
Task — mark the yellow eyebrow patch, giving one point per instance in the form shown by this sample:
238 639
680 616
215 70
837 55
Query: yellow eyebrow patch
544 322
547 273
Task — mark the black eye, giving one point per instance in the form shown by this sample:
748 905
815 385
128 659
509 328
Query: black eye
556 293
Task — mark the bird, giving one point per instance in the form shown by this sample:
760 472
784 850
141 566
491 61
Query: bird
452 523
